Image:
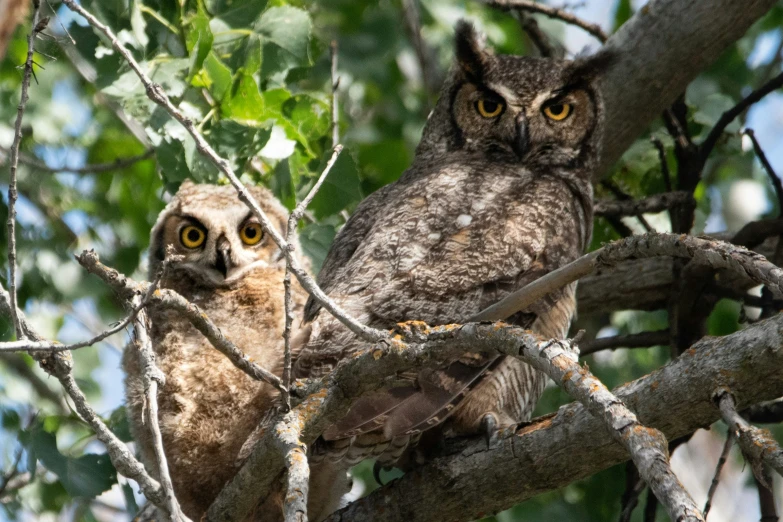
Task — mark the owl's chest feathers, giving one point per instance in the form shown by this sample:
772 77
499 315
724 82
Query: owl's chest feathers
459 209
250 315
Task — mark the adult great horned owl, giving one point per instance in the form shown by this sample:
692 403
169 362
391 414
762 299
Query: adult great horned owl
234 273
498 195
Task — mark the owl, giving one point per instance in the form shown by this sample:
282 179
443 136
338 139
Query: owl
227 266
498 195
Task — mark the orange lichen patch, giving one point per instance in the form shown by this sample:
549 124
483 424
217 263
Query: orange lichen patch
595 387
377 354
157 293
462 237
567 376
654 385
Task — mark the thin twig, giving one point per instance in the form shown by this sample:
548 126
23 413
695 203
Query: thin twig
167 298
651 507
13 470
293 221
152 377
622 196
14 160
636 207
639 340
54 346
707 252
667 177
767 503
773 177
95 168
156 93
538 37
633 488
551 12
718 468
335 84
727 117
60 365
757 444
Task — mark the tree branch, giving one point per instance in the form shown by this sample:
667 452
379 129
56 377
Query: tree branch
128 289
639 340
636 207
95 168
551 12
14 161
718 468
572 444
757 444
705 149
151 377
707 252
59 365
657 53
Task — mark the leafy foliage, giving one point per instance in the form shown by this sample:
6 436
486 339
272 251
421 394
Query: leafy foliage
254 77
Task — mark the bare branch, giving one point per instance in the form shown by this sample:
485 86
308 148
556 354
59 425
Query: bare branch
757 444
773 177
14 160
639 340
430 75
152 377
727 117
572 444
329 400
127 289
713 253
636 207
297 471
335 84
667 177
551 12
94 168
539 38
718 468
59 365
156 93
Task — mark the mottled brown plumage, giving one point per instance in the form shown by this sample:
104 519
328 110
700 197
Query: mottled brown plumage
208 407
498 195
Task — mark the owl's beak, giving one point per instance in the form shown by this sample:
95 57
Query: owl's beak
223 261
521 143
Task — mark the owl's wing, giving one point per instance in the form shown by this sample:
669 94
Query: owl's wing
349 238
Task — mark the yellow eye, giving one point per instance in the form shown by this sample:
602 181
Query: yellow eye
489 108
251 233
558 111
192 236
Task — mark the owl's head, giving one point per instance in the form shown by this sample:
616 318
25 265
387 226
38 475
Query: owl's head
516 109
215 237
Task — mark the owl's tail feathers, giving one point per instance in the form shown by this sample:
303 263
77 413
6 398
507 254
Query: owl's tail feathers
439 394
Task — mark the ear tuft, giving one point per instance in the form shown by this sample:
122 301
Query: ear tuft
471 56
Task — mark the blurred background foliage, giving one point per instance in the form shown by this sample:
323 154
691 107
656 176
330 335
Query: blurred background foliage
254 76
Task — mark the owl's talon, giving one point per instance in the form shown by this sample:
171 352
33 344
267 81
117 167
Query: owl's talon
489 426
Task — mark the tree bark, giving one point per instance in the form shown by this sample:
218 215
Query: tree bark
468 480
657 53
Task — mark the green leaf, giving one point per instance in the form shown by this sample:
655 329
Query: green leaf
119 425
713 108
316 239
138 24
245 104
236 13
86 476
218 76
340 189
130 500
198 39
171 160
233 139
286 32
